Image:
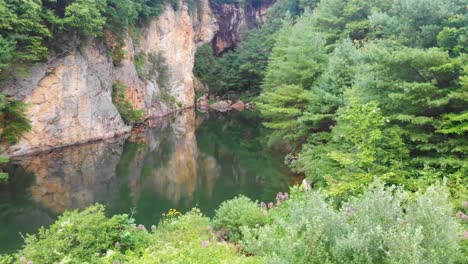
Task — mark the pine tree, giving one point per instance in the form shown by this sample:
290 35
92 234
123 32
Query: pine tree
327 95
359 149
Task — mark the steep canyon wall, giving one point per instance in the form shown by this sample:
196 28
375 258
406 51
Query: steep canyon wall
70 95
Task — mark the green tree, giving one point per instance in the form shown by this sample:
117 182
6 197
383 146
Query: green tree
281 108
13 119
120 14
416 22
359 149
296 62
339 19
422 92
327 95
86 16
22 32
298 57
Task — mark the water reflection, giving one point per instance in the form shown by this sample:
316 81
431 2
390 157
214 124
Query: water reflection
177 162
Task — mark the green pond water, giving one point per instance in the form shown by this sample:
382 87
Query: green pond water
186 160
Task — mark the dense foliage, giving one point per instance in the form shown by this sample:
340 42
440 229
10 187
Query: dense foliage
13 123
13 120
384 225
88 236
243 68
365 89
236 213
28 28
125 108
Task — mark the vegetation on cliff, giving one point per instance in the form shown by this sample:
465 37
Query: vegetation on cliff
124 107
29 28
13 123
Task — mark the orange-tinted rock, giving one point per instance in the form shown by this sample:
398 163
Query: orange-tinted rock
239 105
235 19
70 95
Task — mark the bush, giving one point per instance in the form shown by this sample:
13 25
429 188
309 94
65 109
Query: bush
90 237
301 231
13 120
124 107
80 237
188 239
238 212
384 225
140 61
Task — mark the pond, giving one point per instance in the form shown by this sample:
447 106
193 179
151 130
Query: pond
183 161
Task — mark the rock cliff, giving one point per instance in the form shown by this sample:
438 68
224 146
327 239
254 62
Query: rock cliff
69 96
236 19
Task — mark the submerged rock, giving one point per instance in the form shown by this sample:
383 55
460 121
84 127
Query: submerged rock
203 103
239 105
221 106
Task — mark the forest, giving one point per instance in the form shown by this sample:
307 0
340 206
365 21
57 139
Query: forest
370 96
359 89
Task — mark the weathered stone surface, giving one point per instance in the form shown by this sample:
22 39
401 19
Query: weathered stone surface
70 94
71 102
176 36
235 19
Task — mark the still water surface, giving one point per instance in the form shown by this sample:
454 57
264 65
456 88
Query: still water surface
182 161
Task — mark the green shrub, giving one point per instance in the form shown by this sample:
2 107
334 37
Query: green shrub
302 231
13 120
90 237
184 239
124 107
80 236
140 61
384 225
116 50
238 212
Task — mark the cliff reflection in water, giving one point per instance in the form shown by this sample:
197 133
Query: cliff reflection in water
177 162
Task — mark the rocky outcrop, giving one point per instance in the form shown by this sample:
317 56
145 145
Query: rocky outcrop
69 96
235 19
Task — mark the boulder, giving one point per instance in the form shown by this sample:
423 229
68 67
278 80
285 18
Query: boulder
221 106
239 105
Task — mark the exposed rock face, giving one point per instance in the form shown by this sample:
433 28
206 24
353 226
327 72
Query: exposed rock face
70 94
69 101
176 35
235 19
